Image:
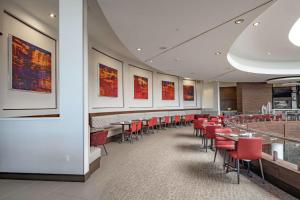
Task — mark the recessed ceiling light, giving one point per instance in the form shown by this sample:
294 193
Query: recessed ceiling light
187 78
239 21
256 24
269 53
218 53
52 15
151 61
139 49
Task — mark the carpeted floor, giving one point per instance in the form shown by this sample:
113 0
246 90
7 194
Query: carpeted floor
168 165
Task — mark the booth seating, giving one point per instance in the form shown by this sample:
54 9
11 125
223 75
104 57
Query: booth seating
104 121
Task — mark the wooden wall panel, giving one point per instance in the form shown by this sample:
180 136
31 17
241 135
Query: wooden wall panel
228 98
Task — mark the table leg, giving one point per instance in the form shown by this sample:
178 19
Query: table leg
123 132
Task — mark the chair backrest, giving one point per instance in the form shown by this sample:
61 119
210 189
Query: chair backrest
133 126
154 121
98 138
210 131
198 124
249 148
214 119
139 125
224 130
177 118
211 123
167 119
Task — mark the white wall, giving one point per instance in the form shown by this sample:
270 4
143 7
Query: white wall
211 96
156 103
19 103
56 145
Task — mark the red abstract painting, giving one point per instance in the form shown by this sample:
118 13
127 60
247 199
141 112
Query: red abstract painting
108 81
140 87
31 67
168 90
188 92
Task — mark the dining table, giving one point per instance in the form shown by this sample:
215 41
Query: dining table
123 124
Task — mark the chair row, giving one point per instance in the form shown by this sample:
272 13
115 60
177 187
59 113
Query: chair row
244 149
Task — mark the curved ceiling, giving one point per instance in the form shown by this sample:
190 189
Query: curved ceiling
182 38
266 48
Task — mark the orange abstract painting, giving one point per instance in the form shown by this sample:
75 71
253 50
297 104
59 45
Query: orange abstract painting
31 67
140 87
188 92
168 90
108 81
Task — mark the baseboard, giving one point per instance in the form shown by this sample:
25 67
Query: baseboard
93 167
53 177
43 177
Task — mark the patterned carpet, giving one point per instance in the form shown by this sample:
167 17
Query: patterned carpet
168 165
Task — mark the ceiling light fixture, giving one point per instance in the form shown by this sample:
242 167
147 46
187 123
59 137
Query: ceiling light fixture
151 61
218 53
187 78
294 34
139 49
52 15
256 24
239 21
269 53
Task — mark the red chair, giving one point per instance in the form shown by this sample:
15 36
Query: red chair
197 127
222 143
99 138
155 123
176 120
247 149
139 127
200 126
149 125
166 122
214 119
209 133
132 130
187 119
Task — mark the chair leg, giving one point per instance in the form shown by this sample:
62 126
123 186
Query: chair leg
215 155
105 150
227 168
262 171
206 144
238 170
225 154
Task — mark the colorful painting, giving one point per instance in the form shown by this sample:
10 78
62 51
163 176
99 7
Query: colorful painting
188 92
31 67
140 87
108 81
168 90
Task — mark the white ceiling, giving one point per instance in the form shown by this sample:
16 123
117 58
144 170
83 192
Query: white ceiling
271 35
41 10
266 48
192 33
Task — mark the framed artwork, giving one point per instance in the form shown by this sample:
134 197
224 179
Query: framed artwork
188 93
30 67
140 87
168 90
108 81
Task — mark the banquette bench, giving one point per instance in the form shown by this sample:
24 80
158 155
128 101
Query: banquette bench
98 121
